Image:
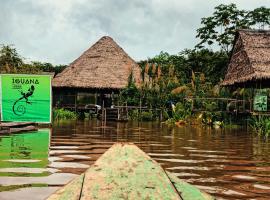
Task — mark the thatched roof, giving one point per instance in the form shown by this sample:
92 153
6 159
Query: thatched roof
105 65
250 59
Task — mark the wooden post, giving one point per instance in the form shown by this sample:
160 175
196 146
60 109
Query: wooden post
161 114
76 102
103 111
140 113
105 115
127 109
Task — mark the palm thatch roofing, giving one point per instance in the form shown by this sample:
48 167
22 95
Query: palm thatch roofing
105 65
250 59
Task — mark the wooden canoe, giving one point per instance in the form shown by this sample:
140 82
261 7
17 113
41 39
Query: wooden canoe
126 172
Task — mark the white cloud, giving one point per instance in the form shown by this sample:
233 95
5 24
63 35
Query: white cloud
58 31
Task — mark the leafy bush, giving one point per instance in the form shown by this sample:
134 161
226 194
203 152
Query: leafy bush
144 115
165 115
261 125
170 121
62 114
133 114
209 117
182 111
147 116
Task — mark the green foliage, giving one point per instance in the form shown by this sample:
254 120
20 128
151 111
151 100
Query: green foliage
12 62
182 111
210 118
147 116
164 73
165 115
170 121
211 114
134 114
260 17
144 115
62 114
130 95
211 64
9 58
260 125
48 67
220 28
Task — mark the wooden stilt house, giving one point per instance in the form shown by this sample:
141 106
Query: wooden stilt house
96 77
249 66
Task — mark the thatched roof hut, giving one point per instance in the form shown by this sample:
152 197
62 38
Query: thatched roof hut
250 59
105 65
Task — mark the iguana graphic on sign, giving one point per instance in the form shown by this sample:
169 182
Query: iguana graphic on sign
19 109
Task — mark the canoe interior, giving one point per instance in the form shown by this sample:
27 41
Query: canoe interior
126 172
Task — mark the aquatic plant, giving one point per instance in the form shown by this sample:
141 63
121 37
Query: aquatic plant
180 113
133 114
143 116
260 125
146 116
211 115
62 114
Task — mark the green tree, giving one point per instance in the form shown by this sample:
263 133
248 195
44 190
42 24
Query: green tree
220 28
48 67
211 63
59 68
260 17
45 67
9 58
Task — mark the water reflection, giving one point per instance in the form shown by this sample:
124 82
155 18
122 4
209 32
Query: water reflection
230 164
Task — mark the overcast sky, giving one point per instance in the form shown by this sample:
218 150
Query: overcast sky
58 31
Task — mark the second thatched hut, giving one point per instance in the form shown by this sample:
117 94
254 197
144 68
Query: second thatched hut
249 66
250 60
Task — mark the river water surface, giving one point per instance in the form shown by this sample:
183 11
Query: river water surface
229 164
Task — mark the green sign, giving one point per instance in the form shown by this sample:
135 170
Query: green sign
260 102
25 146
25 98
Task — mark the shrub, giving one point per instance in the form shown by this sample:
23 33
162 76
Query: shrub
147 116
182 111
261 125
62 114
133 114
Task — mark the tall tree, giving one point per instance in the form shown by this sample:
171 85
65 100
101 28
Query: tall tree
220 28
9 58
260 17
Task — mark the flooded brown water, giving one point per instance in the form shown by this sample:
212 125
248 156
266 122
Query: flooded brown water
229 164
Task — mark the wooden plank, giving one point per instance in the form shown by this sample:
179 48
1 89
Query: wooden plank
72 191
5 130
126 172
188 191
22 129
16 124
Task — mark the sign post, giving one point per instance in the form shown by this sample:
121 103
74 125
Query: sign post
26 98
